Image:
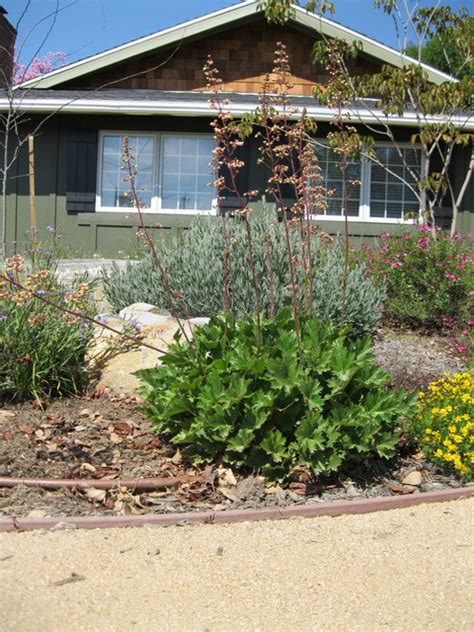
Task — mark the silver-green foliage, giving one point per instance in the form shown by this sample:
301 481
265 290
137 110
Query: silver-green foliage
194 262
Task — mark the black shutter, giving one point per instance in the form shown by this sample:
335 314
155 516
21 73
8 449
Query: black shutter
230 201
82 172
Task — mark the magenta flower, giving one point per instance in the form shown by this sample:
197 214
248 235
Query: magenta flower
452 277
423 243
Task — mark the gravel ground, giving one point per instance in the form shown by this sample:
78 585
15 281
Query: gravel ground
402 570
412 359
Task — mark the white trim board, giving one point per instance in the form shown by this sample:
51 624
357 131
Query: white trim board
199 26
182 107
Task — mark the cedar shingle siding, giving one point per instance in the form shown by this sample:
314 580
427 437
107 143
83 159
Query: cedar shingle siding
243 56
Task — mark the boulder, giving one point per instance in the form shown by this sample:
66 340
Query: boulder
118 374
199 321
143 314
136 307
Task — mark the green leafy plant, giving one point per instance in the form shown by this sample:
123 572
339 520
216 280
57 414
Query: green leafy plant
42 349
273 410
194 262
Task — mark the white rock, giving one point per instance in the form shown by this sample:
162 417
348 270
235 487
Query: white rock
146 318
109 319
137 307
199 321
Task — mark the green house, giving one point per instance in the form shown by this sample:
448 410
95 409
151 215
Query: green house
153 91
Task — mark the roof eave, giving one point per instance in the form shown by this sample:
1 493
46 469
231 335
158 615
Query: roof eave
183 108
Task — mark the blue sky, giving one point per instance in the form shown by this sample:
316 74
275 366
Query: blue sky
84 27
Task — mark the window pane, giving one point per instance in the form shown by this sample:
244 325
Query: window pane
377 209
114 191
187 173
394 210
332 180
390 195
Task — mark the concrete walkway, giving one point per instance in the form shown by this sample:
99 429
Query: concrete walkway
402 571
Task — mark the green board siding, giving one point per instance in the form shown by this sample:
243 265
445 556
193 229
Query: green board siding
107 234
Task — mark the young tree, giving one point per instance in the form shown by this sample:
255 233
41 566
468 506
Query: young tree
451 47
440 111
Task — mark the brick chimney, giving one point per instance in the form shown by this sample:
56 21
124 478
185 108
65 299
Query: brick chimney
7 47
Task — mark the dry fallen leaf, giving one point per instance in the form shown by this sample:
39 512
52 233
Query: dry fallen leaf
122 428
226 477
95 495
5 414
177 458
115 438
398 488
87 467
86 412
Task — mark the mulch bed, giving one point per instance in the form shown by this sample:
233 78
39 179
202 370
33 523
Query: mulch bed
105 437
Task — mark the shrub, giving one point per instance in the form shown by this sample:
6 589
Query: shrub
445 423
427 280
42 350
194 262
269 409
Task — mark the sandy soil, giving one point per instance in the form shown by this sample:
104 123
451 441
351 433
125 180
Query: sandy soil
403 570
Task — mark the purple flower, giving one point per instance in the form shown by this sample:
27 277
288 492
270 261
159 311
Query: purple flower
50 229
135 325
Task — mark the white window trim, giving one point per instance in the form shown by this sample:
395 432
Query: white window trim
364 194
156 200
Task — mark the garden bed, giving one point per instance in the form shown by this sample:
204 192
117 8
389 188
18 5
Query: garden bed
105 438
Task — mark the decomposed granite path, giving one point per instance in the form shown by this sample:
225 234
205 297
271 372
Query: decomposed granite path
403 570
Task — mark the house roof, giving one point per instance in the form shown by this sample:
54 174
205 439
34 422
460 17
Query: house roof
224 17
192 103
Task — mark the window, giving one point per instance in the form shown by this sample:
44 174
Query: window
173 172
114 192
390 197
383 195
186 172
331 179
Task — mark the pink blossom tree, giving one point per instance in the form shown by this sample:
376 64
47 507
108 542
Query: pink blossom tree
39 66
